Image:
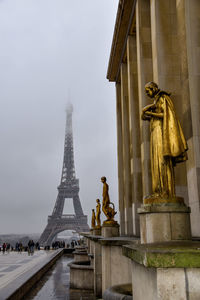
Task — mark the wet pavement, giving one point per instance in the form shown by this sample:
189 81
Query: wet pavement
54 284
14 265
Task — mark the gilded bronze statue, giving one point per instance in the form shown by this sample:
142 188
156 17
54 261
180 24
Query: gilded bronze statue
93 221
167 143
98 214
108 211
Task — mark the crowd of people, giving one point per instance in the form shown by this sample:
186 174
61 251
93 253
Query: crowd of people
73 244
32 246
62 244
19 247
6 247
58 244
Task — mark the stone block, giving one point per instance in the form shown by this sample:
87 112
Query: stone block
81 256
97 231
162 223
110 230
114 264
81 276
164 272
171 284
193 275
157 227
143 282
143 228
180 226
120 265
195 217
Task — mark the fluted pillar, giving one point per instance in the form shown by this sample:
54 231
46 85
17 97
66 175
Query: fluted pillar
166 68
144 70
189 49
126 150
136 175
120 159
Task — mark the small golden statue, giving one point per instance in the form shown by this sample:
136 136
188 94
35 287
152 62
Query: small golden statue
93 221
98 213
167 144
108 211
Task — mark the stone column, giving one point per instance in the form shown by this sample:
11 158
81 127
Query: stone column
192 24
126 150
116 268
97 270
120 159
136 175
144 66
166 68
106 267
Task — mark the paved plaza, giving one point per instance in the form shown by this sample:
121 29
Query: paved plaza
16 268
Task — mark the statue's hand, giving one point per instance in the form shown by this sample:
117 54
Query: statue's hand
149 107
145 117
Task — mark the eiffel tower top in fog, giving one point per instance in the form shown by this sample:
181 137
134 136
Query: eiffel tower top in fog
68 169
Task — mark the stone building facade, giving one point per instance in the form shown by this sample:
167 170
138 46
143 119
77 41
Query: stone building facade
155 40
154 256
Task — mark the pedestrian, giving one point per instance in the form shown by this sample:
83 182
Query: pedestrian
4 247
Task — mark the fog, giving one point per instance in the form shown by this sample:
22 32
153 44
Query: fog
52 52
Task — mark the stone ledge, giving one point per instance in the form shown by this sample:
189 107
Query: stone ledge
83 265
165 255
94 238
118 292
113 241
85 234
80 252
118 241
163 208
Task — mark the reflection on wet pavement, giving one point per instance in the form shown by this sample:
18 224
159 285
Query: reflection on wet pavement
55 284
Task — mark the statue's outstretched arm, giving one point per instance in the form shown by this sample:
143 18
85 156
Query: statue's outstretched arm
145 110
149 107
153 114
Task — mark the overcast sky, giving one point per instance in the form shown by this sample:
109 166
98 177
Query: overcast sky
50 49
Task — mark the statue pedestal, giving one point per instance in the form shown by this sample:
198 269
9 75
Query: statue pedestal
110 230
164 222
97 231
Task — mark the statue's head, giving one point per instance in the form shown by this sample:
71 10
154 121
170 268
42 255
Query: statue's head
151 88
92 210
97 200
103 179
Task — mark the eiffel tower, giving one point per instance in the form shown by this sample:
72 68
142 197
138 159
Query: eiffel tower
68 188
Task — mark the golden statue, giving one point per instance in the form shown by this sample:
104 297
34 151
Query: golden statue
108 211
98 213
93 221
167 144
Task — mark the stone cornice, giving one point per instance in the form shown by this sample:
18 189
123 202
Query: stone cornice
165 255
124 19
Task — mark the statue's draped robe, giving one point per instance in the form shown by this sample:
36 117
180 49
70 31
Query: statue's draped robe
93 219
98 213
167 146
106 199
